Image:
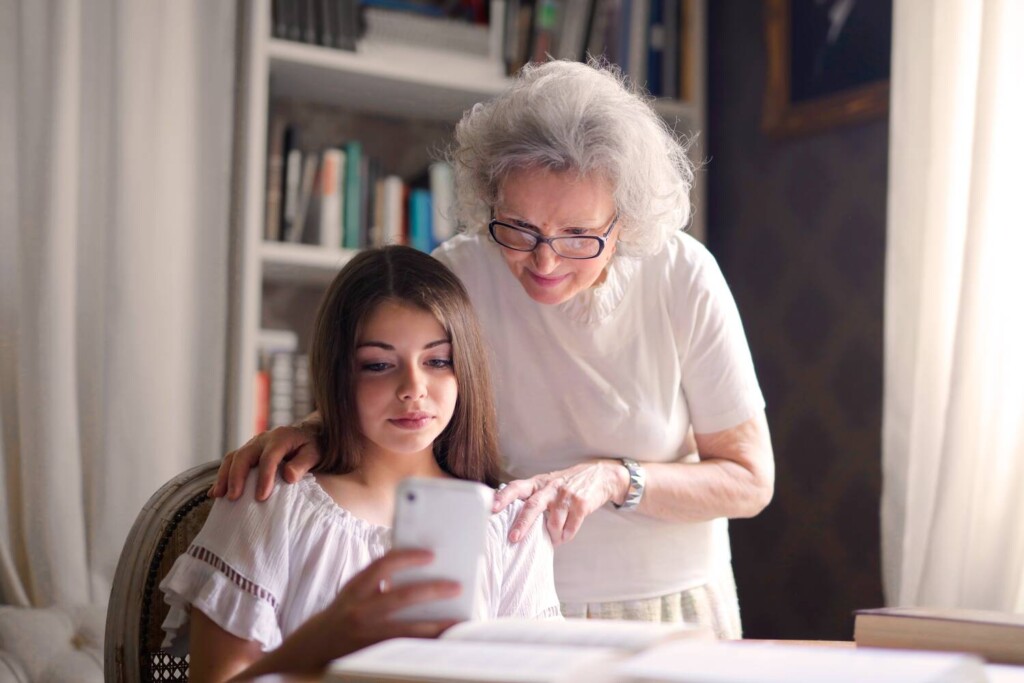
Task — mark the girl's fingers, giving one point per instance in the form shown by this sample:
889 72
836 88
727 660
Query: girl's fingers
414 593
368 581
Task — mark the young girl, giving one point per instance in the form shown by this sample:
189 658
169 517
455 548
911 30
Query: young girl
400 377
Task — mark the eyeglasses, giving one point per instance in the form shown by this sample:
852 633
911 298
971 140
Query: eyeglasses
567 246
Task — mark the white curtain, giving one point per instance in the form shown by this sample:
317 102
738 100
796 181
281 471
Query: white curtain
953 428
115 153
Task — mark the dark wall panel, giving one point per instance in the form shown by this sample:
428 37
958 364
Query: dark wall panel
798 226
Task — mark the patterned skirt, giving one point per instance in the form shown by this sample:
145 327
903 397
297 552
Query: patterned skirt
713 605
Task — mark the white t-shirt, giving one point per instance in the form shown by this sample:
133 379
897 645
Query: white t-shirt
620 370
260 570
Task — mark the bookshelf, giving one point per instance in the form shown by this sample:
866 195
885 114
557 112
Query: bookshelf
275 284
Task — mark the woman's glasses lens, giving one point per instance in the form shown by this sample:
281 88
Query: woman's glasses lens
522 240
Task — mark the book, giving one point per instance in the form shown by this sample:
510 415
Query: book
352 232
509 650
275 177
779 662
332 191
292 189
394 212
395 27
996 636
307 186
442 195
420 235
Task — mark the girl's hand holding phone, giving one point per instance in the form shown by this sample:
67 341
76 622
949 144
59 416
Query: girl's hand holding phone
361 615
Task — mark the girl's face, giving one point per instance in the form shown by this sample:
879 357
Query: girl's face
405 383
556 204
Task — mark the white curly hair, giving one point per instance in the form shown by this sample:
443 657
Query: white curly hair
587 118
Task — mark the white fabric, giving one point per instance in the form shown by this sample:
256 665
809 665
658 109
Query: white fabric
273 565
953 429
115 134
619 370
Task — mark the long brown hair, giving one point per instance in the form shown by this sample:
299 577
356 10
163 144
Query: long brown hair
467 448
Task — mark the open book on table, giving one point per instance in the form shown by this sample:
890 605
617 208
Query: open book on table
510 651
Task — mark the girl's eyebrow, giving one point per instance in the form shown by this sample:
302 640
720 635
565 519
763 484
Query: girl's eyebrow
389 347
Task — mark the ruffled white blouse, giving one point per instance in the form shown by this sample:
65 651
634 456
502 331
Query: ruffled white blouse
260 570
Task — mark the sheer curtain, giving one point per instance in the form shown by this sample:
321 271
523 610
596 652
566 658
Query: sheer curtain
953 429
115 152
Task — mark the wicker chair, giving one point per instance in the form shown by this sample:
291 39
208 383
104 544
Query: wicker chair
163 530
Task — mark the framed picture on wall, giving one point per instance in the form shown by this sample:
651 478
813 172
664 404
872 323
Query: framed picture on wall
828 63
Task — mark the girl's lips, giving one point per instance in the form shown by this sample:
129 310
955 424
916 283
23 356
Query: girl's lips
546 281
412 423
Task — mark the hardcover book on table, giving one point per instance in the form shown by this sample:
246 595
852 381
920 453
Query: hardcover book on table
996 636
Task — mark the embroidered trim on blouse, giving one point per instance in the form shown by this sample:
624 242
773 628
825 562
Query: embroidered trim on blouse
204 555
550 612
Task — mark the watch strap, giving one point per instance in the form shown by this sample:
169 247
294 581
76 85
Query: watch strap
637 480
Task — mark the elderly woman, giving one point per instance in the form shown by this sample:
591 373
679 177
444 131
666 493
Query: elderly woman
614 337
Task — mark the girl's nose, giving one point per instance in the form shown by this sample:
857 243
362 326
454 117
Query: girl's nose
413 385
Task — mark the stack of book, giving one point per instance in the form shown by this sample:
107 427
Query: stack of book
282 380
339 197
342 24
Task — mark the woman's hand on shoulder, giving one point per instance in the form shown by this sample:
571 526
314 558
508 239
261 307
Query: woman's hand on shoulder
295 446
568 497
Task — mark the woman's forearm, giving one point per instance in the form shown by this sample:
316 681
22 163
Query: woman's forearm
734 478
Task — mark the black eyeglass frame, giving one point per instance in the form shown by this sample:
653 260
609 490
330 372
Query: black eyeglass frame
539 239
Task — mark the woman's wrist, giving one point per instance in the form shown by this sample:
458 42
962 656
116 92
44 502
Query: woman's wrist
617 477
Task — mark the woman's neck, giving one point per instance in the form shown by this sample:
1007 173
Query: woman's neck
369 491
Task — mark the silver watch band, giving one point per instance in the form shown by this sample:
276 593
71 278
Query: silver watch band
637 479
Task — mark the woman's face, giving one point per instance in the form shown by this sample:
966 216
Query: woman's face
555 204
406 387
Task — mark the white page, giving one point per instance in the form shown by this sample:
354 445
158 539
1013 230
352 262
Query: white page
738 662
1004 673
632 636
476 661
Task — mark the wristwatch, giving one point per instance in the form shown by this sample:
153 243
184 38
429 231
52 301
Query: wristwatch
637 479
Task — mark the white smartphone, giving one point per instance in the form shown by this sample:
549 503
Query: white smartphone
448 517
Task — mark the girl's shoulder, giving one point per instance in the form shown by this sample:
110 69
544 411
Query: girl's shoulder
290 506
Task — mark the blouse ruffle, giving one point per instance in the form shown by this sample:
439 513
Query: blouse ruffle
192 581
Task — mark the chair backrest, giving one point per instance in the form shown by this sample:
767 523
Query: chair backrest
163 530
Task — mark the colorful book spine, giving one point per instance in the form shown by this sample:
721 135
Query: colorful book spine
332 189
353 195
420 236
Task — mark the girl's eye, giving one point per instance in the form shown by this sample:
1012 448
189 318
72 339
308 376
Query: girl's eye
375 367
440 362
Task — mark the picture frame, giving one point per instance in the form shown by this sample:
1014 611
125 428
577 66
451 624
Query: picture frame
828 64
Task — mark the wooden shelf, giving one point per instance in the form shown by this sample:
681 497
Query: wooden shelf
302 264
385 78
